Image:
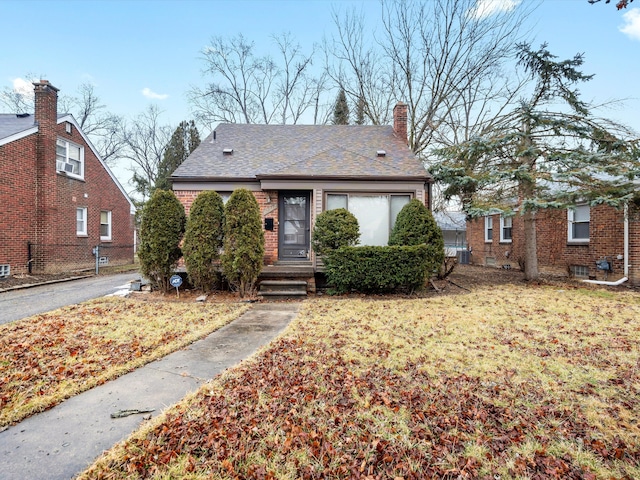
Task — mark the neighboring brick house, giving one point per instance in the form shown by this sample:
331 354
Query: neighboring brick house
59 200
575 242
299 171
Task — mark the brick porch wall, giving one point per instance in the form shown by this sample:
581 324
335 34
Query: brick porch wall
268 203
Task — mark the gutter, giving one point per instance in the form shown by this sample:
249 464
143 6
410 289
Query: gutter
625 255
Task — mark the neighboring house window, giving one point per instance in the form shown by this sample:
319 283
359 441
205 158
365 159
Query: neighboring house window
81 221
376 214
488 229
578 222
70 158
105 226
506 228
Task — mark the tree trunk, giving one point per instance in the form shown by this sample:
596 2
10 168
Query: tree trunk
530 247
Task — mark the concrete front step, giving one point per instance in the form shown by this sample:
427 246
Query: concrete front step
282 289
283 286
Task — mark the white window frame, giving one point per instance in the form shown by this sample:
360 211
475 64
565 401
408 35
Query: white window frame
506 223
81 231
105 238
571 220
389 195
66 166
488 229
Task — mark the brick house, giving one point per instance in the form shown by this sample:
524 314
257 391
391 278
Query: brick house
59 198
298 171
580 242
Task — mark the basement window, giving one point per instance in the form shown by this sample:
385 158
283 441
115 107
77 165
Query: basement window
580 271
5 271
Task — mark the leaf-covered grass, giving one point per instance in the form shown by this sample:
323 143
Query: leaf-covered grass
47 358
510 383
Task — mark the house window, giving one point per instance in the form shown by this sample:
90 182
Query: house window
578 223
81 221
105 226
376 213
506 228
488 229
70 158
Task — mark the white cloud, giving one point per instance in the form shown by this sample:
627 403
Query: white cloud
486 8
631 27
147 92
23 87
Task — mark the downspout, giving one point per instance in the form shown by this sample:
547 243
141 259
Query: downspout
625 254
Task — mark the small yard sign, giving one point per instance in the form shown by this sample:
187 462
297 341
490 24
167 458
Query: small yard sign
176 281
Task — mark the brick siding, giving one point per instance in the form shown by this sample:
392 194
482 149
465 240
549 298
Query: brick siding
39 204
555 254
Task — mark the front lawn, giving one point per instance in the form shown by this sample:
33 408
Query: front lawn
504 382
47 358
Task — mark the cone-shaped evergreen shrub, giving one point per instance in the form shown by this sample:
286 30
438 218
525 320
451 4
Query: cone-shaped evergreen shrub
334 229
161 229
242 259
415 225
203 240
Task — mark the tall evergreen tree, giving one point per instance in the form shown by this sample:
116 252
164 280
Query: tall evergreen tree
162 226
341 109
184 140
550 152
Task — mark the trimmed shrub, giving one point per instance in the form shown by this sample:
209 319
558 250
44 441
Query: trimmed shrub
161 229
243 254
334 229
415 225
203 240
374 269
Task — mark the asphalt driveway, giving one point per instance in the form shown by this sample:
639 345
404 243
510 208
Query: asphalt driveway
17 304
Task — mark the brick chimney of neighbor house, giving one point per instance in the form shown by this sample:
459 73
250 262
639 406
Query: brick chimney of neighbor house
46 104
400 120
46 118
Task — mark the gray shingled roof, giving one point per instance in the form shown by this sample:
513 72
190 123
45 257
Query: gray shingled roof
261 151
10 124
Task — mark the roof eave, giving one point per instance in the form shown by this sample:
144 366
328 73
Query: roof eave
368 178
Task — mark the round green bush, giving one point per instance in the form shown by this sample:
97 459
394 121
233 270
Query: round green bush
415 225
243 254
334 229
203 240
161 229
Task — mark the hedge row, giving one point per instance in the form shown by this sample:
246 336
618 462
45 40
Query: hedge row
378 269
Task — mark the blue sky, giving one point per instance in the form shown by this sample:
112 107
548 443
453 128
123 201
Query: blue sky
138 52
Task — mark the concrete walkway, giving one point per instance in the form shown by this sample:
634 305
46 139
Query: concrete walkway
64 441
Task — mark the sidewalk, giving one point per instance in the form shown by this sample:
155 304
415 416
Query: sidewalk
63 441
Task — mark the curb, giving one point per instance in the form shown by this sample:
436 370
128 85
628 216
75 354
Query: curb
48 282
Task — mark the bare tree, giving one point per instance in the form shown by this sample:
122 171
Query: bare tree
248 88
145 141
16 100
358 67
439 57
103 128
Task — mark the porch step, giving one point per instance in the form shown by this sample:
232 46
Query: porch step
282 289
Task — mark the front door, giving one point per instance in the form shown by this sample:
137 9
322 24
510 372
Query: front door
295 225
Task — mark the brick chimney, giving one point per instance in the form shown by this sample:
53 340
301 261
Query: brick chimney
400 120
46 104
46 118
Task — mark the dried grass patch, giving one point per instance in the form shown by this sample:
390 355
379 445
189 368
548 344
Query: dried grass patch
47 358
516 382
